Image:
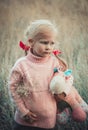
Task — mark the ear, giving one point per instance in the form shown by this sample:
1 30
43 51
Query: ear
31 42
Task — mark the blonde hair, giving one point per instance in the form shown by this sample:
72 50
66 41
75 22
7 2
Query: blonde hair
63 64
39 27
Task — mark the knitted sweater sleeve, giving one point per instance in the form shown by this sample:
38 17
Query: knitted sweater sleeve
14 82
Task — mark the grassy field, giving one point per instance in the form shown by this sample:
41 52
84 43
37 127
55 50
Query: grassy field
71 18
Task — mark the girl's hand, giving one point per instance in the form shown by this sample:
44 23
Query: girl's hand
30 117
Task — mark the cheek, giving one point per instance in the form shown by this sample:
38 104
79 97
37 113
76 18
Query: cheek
52 48
54 45
41 47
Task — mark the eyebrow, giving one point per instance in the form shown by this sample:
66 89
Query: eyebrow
45 41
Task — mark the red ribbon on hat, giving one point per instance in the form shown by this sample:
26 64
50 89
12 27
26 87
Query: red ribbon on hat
24 46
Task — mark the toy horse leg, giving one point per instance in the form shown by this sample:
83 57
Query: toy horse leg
77 95
82 103
78 113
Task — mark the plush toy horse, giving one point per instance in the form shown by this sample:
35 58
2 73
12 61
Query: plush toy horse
62 87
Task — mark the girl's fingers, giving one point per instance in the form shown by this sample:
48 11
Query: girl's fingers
32 115
33 118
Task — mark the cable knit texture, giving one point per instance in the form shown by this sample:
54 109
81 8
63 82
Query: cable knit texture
29 86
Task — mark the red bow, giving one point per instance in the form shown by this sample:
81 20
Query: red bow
57 52
23 46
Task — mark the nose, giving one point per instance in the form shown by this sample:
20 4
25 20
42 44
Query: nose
48 47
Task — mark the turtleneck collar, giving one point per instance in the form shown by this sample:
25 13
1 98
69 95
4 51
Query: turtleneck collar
36 59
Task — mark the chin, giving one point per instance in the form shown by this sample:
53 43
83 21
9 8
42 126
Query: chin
46 55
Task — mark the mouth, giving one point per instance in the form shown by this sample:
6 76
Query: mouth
47 52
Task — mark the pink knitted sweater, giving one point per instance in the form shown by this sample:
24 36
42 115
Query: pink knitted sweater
29 87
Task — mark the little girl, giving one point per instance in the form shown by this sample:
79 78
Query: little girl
30 77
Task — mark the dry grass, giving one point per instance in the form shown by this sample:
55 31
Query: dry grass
71 18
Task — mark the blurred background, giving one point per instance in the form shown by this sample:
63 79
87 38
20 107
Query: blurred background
71 18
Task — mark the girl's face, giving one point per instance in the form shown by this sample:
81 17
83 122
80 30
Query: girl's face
43 47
